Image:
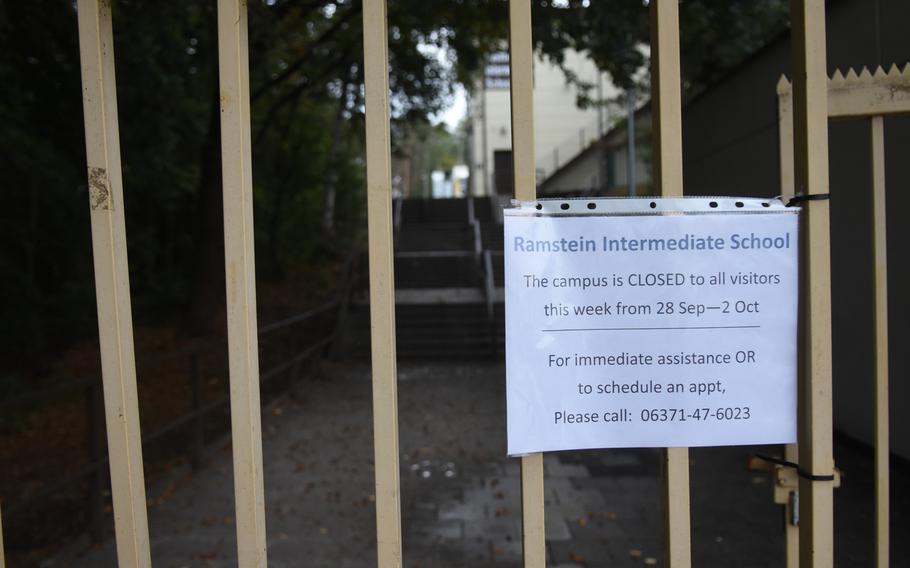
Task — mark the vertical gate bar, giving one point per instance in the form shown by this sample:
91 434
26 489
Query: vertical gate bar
112 290
382 284
785 137
533 512
240 276
810 126
521 63
667 113
791 530
880 236
666 100
785 147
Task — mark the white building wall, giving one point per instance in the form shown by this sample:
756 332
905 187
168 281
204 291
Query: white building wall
561 129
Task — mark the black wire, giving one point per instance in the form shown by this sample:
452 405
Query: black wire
797 199
799 471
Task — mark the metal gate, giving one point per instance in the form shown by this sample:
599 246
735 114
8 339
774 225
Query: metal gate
858 96
810 177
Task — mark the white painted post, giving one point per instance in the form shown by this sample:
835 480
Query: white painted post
240 276
112 289
880 244
521 61
810 128
667 104
382 284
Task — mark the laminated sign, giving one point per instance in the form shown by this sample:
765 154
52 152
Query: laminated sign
650 323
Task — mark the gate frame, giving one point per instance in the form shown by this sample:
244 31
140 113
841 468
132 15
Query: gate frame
808 173
112 289
863 95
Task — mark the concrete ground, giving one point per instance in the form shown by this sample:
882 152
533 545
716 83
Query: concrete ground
461 494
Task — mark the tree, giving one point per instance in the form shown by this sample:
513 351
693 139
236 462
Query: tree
307 112
715 35
307 108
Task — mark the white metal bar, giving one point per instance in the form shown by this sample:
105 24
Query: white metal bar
667 112
521 62
666 98
382 284
810 127
533 513
240 275
865 94
785 137
791 530
880 237
115 323
868 95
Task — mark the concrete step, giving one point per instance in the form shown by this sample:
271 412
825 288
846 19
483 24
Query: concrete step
491 235
437 272
435 237
432 332
434 210
483 209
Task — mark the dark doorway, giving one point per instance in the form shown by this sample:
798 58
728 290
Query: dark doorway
502 172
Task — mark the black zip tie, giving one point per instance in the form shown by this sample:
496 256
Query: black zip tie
797 199
799 471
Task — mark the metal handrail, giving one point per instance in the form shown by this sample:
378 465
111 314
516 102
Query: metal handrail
489 286
55 392
478 242
299 317
182 420
90 384
397 208
435 254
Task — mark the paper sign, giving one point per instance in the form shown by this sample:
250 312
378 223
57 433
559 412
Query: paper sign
650 330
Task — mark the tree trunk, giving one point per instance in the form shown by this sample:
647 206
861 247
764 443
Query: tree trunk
207 292
331 178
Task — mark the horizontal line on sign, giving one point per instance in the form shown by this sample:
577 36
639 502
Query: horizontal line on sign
656 328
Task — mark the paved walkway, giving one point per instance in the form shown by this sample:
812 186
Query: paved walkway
461 494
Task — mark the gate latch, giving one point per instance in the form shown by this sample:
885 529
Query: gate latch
786 484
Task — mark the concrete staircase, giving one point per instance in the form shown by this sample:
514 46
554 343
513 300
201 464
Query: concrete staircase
447 306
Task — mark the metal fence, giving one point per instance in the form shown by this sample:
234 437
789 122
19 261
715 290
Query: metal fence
286 348
113 294
855 96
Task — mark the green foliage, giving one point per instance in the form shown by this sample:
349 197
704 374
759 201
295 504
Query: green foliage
715 35
422 148
307 114
44 238
718 34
